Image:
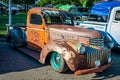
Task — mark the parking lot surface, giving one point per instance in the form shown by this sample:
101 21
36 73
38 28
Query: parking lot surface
15 65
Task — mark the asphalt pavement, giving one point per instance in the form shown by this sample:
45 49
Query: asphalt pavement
15 65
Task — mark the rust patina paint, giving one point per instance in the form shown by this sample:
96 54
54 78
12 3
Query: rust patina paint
93 70
62 39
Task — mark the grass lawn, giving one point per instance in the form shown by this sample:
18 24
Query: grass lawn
21 18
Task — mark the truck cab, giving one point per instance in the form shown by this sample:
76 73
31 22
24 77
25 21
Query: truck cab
49 36
105 17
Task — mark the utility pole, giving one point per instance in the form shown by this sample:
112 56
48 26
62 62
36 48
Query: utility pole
10 15
10 18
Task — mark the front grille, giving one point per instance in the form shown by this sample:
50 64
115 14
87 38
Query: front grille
98 42
94 54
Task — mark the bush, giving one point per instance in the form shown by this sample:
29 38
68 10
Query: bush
21 18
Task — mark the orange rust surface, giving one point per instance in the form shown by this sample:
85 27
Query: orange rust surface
93 70
41 35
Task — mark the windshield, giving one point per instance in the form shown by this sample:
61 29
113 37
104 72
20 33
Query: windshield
56 17
97 18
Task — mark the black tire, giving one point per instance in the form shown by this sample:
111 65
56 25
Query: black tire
58 63
12 43
78 19
13 12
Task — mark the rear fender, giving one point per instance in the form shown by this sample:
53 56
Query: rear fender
18 35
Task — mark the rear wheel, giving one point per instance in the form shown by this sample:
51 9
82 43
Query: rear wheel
58 63
78 19
12 43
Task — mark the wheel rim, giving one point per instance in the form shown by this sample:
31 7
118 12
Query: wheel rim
56 60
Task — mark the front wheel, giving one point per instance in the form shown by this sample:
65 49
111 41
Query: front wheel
58 63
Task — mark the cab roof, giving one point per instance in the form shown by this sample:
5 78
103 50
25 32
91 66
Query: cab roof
39 9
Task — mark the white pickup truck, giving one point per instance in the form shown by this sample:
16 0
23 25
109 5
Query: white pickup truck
106 18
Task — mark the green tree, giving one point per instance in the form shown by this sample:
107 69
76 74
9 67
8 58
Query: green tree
6 1
82 3
42 2
20 1
27 1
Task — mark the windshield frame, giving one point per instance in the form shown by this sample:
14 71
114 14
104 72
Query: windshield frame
55 17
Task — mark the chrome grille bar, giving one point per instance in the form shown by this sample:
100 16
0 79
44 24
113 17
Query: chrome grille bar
99 42
94 54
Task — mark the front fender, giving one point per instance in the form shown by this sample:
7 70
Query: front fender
67 52
60 47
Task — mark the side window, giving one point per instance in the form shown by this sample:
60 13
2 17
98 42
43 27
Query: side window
117 15
35 19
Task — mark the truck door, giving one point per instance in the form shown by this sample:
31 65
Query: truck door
35 31
115 27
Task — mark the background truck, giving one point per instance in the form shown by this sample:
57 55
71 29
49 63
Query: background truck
49 36
105 17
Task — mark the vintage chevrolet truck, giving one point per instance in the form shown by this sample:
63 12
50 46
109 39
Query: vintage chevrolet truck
49 36
105 17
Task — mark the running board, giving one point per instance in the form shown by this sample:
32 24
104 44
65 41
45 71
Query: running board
31 53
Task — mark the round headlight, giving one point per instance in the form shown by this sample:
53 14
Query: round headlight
110 44
82 49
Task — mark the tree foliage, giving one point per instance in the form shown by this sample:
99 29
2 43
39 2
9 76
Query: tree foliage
20 1
82 3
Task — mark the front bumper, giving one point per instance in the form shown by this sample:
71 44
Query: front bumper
93 70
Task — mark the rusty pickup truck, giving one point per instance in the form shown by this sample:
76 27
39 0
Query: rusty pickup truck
49 36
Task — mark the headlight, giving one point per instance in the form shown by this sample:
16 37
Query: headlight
82 49
110 44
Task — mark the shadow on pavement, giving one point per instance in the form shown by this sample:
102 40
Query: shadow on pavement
113 71
14 61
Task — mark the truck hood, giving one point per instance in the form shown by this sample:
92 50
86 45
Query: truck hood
66 32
